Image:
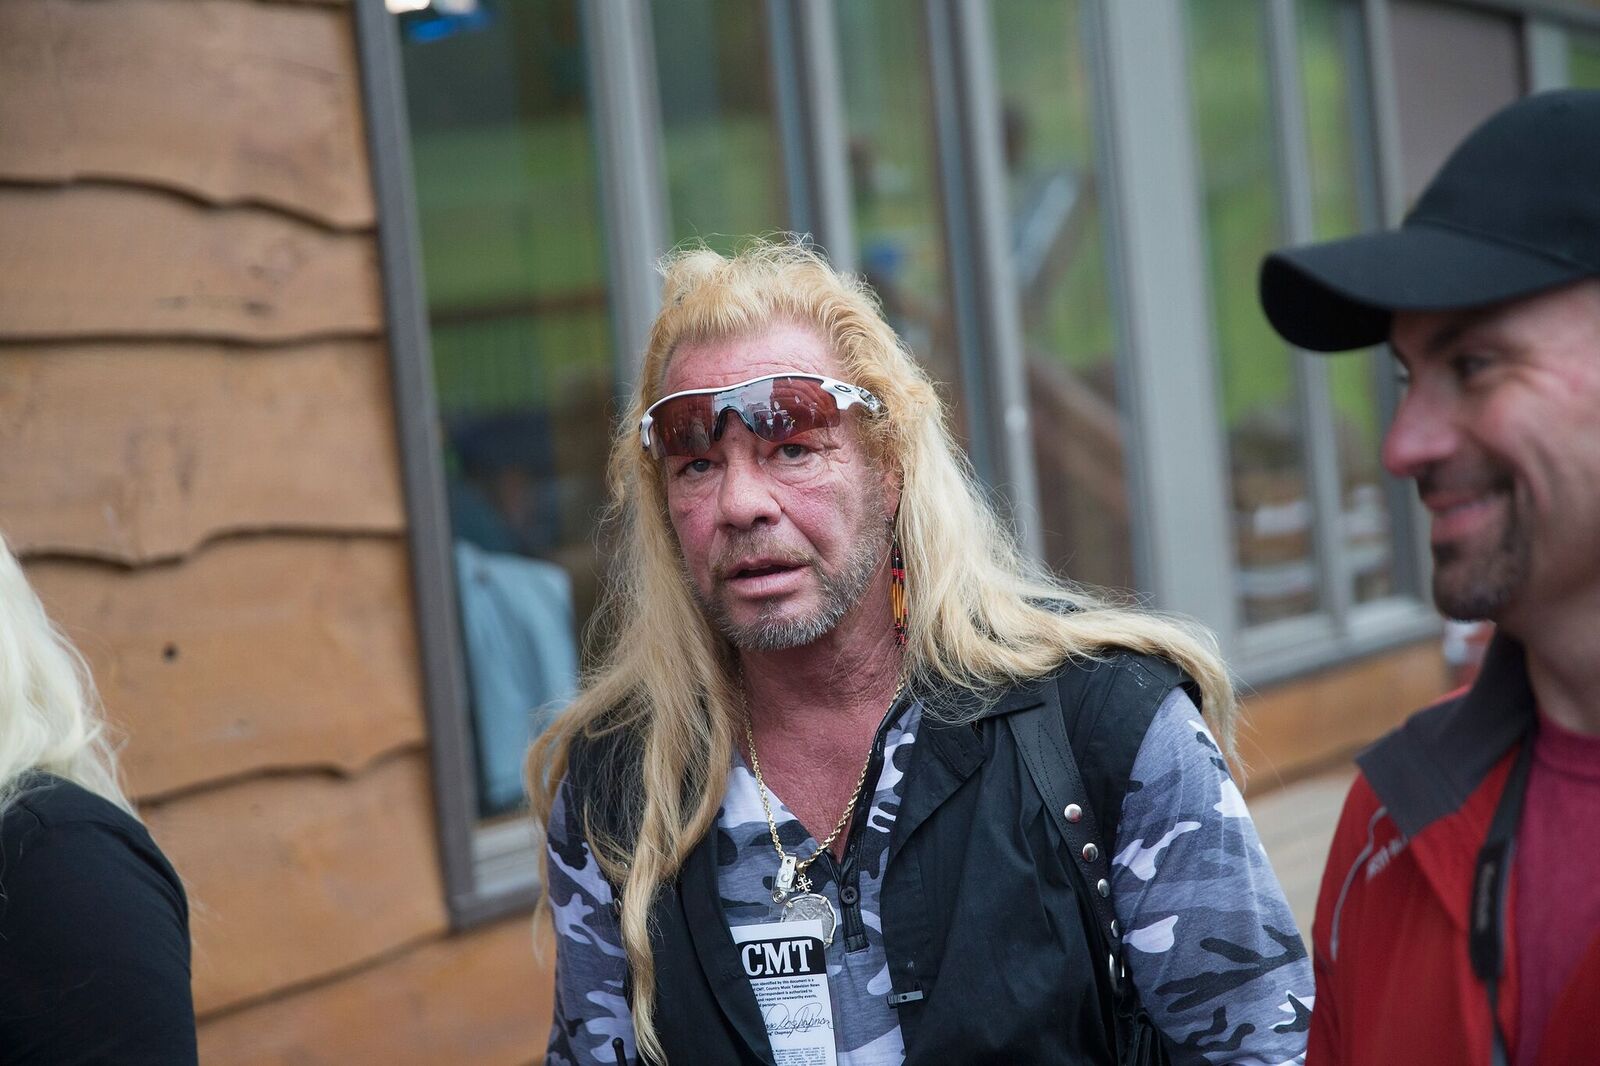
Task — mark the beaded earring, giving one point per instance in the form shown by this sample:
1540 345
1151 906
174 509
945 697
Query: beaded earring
897 591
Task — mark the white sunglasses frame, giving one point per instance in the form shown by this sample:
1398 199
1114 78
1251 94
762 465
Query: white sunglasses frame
845 395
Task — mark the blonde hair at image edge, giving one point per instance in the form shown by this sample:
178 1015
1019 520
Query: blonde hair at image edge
50 716
667 677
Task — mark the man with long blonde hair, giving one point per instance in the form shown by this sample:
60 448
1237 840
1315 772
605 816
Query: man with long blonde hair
834 793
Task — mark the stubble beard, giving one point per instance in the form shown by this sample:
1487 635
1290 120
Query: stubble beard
1472 584
840 592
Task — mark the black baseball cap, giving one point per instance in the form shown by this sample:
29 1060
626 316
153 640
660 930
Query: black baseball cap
1515 210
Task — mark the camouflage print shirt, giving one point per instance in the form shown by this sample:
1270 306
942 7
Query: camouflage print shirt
1212 946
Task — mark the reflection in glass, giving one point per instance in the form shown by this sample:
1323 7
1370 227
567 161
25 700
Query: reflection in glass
724 164
1059 261
1343 192
901 248
1583 60
511 249
1272 512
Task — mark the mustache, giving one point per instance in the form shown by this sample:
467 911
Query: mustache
764 545
1474 478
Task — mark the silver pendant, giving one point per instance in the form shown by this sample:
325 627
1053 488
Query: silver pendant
783 884
808 907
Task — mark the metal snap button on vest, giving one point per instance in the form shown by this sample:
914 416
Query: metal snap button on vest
1090 852
1116 930
1103 887
1074 813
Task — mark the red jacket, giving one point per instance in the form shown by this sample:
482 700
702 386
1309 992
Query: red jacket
1394 982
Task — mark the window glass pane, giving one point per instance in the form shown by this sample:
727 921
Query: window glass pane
1583 59
723 160
901 248
1344 197
1272 512
516 290
1059 259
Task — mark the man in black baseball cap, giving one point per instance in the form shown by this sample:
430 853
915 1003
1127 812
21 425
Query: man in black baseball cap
1460 908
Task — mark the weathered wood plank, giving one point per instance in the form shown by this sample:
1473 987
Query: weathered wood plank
228 100
1293 729
480 999
137 452
110 261
297 878
255 654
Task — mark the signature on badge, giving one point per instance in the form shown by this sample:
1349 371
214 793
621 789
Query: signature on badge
806 1017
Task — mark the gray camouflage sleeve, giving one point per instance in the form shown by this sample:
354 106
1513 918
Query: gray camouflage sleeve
1211 944
591 1010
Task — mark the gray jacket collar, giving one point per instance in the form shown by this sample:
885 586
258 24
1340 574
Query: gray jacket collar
1428 767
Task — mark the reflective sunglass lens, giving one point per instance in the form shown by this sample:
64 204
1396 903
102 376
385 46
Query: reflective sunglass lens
774 409
683 427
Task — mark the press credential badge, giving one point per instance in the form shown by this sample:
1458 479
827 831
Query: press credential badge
785 964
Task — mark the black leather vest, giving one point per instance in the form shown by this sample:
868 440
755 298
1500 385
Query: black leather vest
985 924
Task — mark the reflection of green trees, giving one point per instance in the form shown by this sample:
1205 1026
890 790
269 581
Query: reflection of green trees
1337 197
513 259
508 209
724 164
1243 210
507 195
724 179
1583 60
1244 216
889 120
1040 48
1325 75
1046 89
1234 125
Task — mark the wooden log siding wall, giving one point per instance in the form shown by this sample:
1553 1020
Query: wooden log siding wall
198 464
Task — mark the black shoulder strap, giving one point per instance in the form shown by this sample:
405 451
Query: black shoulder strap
1041 737
1106 708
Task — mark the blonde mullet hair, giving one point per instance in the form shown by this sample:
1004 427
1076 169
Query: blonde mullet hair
50 715
666 683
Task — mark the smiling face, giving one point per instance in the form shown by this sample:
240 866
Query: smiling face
1500 428
781 542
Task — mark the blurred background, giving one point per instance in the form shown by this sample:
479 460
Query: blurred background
314 316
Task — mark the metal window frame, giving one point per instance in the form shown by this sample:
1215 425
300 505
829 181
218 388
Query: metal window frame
1155 224
1545 52
988 312
1340 629
959 231
490 870
444 679
1296 193
1377 114
1185 544
809 100
634 214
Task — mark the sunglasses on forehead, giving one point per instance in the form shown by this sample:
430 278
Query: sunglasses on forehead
774 407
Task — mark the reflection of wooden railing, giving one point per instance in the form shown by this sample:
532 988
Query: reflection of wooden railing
1077 430
1081 463
1277 575
1078 436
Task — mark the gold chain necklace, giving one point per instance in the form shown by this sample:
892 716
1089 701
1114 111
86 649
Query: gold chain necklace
791 876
